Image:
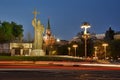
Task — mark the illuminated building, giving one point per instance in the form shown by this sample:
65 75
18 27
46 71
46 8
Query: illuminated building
117 36
49 39
100 36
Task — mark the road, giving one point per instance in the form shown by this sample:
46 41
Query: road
58 72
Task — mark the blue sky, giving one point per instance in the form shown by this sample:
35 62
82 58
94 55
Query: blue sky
66 16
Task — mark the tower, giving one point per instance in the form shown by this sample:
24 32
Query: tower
48 29
49 39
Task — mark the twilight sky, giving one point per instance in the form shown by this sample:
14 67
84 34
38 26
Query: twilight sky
66 16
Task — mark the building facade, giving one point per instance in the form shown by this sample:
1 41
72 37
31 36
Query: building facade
16 49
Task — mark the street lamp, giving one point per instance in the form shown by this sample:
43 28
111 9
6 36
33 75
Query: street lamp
58 40
105 45
85 25
75 46
69 51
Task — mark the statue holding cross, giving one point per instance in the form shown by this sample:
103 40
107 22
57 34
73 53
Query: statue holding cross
38 29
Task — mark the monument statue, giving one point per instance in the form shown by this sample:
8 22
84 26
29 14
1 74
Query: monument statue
38 35
39 29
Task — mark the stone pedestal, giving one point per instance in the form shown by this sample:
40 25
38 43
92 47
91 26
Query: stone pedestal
37 52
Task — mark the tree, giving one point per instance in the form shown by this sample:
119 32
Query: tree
109 35
115 48
17 31
62 50
2 35
9 32
100 48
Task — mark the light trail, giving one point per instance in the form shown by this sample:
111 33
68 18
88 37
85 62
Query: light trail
105 65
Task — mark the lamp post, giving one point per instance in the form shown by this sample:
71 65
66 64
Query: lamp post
75 46
85 25
105 45
69 51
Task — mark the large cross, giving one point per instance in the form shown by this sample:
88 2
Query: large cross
35 13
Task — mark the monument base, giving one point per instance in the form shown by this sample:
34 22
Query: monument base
37 52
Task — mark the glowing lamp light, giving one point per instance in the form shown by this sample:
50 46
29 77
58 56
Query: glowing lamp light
75 46
58 40
105 45
85 25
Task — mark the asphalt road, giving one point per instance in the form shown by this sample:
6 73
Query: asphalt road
58 74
